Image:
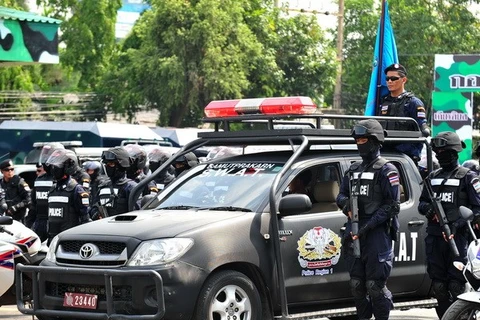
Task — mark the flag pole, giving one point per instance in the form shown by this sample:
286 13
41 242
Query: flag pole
380 57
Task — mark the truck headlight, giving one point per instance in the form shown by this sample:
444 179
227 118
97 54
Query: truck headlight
51 250
161 251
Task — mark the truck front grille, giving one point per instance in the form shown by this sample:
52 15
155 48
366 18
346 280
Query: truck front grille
105 247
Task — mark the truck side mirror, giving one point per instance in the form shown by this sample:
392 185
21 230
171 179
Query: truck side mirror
293 204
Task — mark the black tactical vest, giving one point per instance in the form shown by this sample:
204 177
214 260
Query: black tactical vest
42 186
61 212
369 191
451 190
395 107
114 198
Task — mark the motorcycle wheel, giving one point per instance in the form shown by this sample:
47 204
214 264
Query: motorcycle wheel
462 310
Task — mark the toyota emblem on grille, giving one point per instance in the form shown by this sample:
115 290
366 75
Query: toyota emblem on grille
88 250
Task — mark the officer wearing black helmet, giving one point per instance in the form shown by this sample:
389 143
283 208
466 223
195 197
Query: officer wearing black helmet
113 194
401 103
93 169
17 191
37 217
81 176
455 186
67 201
376 181
472 164
157 157
138 155
185 162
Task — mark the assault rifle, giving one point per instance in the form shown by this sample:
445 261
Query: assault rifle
442 217
354 209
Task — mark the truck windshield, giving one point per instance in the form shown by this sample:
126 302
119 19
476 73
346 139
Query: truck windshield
240 186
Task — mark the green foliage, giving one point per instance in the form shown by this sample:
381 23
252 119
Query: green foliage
183 54
422 29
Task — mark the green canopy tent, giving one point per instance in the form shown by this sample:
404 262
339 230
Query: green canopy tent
27 38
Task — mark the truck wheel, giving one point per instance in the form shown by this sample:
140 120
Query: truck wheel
229 295
462 310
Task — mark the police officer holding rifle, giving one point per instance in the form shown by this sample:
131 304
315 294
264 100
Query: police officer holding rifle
444 191
370 197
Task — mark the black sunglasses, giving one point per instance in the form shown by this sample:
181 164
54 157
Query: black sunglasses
392 78
8 169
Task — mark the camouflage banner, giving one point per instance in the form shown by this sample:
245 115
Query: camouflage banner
456 78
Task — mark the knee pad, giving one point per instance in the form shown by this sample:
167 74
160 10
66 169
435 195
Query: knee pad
456 288
440 291
375 288
357 287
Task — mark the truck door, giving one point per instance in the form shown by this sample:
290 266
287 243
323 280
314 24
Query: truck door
311 242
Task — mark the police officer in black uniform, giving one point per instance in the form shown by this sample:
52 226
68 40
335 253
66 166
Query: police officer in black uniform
455 186
138 155
157 157
401 103
94 170
113 194
184 163
17 191
67 201
376 182
37 217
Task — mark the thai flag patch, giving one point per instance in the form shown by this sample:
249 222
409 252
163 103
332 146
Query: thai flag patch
421 114
476 185
393 178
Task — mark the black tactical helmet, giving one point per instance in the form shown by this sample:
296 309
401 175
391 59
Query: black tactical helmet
158 155
368 128
47 151
63 158
189 159
117 154
138 155
447 140
472 165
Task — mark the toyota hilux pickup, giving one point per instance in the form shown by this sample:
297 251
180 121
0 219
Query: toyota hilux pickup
226 240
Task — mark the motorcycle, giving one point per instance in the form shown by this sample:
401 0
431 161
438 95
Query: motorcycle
467 305
18 244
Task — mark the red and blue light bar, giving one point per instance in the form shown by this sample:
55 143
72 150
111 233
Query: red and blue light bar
266 106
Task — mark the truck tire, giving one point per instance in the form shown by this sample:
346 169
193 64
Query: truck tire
229 295
462 310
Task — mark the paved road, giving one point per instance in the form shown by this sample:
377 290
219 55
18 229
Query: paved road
11 313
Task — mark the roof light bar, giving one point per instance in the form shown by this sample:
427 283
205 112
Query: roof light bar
267 106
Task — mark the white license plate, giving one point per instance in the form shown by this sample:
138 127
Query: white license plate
80 300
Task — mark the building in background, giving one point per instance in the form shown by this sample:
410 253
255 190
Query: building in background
128 15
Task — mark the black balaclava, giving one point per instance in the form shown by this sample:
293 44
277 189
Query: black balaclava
448 159
58 172
115 173
370 150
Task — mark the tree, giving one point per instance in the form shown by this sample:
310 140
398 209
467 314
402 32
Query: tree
422 29
88 31
184 54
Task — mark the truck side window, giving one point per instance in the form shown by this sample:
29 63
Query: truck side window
326 187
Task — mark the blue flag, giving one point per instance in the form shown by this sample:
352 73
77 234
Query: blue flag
388 48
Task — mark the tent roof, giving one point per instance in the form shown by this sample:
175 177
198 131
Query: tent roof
12 14
104 130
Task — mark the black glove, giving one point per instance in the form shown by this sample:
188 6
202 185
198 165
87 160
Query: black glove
476 220
363 231
430 213
453 229
425 130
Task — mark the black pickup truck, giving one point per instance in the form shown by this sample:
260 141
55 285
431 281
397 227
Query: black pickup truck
227 241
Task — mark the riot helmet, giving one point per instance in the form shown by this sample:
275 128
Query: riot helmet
447 145
369 128
472 165
116 161
92 168
185 162
62 162
157 157
46 152
138 158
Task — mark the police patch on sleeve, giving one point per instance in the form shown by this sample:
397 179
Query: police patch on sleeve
393 178
26 187
476 184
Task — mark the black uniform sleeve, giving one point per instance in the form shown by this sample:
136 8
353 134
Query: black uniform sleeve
25 195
